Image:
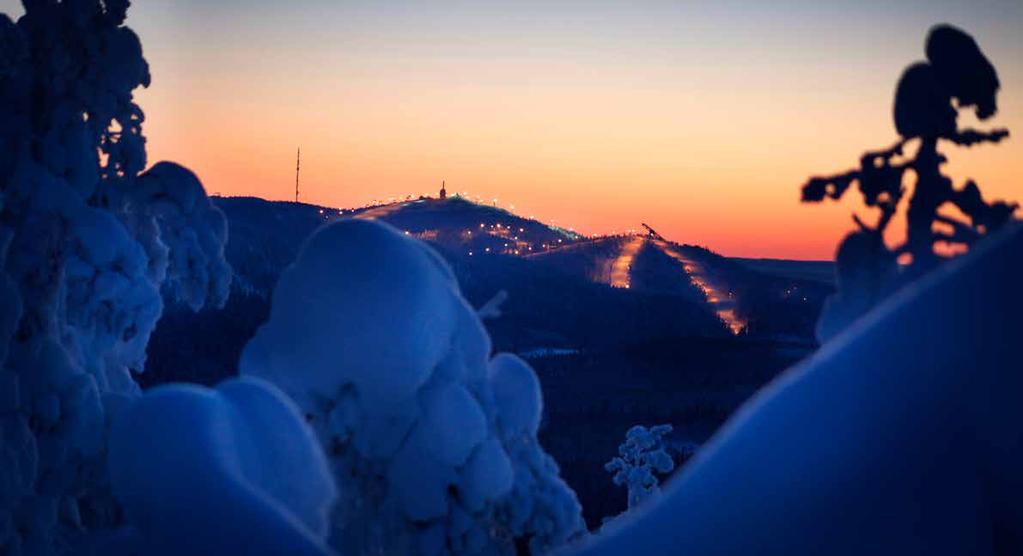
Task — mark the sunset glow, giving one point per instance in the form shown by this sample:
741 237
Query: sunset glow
703 119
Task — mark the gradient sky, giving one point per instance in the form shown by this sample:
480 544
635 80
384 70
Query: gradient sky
700 118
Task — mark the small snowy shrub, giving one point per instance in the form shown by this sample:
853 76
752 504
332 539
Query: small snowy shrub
639 457
433 444
86 244
231 470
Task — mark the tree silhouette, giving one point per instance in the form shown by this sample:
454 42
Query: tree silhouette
928 98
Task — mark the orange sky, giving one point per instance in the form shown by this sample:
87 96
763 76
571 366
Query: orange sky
701 119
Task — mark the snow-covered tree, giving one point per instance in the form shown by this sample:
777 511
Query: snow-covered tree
433 443
640 457
86 244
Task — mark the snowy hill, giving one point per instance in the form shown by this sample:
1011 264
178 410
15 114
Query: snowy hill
644 319
564 291
479 239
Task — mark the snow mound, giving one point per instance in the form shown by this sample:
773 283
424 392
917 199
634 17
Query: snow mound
233 470
904 435
433 445
355 292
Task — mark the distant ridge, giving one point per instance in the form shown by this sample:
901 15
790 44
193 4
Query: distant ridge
720 294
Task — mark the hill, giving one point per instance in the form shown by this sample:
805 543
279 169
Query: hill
565 293
622 330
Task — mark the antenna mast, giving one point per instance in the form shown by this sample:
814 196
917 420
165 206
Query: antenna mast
298 162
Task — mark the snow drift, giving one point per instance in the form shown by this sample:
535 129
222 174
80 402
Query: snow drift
902 436
233 470
432 443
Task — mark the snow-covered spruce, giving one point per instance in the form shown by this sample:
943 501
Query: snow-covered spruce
639 458
85 249
234 470
433 443
904 435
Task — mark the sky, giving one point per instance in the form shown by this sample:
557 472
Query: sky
702 119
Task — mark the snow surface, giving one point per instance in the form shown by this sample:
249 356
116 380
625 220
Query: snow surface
233 470
904 435
432 443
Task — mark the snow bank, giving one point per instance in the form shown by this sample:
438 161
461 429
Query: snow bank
233 470
902 436
82 247
433 445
